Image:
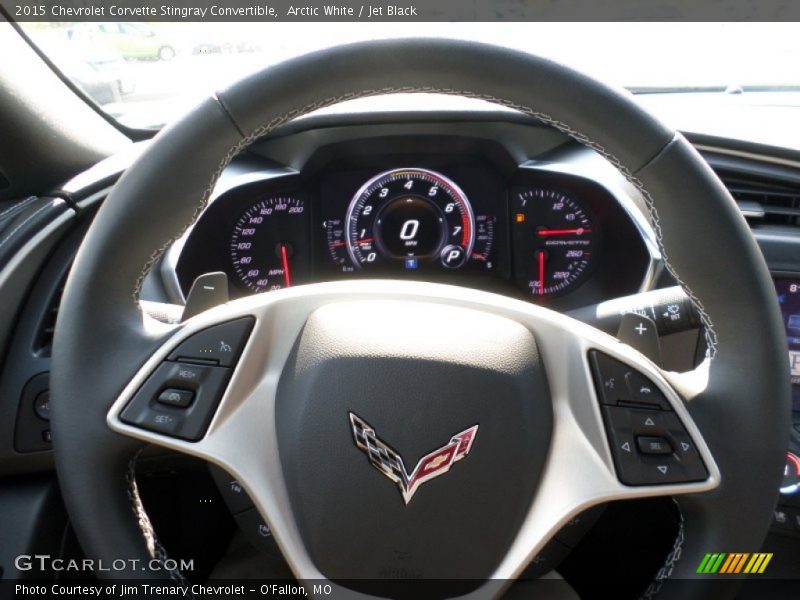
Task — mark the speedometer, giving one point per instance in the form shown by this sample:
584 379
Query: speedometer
268 245
412 218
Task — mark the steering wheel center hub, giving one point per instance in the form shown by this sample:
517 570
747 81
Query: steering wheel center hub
428 424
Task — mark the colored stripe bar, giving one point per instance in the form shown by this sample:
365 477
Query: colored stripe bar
702 567
715 566
727 566
741 562
755 563
767 558
734 563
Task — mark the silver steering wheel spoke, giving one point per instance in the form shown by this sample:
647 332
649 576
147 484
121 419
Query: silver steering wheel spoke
597 432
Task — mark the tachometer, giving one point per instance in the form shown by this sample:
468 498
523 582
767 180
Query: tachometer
554 240
409 217
269 244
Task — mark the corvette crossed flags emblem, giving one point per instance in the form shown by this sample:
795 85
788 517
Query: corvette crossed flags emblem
390 463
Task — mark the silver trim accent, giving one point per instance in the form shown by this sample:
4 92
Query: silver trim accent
168 267
591 167
775 160
751 210
780 236
242 435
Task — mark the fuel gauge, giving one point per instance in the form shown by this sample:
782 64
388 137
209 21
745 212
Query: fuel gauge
337 245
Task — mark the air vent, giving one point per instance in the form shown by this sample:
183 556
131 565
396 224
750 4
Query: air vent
43 343
767 203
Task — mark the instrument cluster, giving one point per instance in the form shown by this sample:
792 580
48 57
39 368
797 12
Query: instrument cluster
463 219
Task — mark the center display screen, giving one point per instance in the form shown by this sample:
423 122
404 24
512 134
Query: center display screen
789 298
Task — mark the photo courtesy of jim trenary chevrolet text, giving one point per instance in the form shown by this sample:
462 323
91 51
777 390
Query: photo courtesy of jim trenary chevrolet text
408 299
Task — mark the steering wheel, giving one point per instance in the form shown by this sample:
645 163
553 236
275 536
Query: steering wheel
318 394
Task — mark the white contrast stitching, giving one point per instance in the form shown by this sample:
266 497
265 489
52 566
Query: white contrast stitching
708 325
19 204
665 572
138 507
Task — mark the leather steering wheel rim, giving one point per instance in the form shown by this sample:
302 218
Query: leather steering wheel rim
102 336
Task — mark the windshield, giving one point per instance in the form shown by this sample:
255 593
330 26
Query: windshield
144 75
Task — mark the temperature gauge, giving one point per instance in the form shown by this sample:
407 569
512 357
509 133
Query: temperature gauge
337 245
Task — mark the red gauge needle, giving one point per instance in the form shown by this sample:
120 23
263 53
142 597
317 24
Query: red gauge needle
578 231
287 276
541 273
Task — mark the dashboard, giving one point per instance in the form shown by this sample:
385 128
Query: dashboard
449 209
